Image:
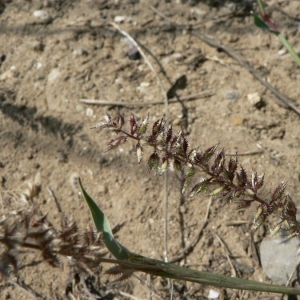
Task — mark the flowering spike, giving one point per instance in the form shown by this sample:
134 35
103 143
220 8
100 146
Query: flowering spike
278 193
120 121
153 161
233 185
275 230
169 134
217 191
200 187
164 166
133 125
139 153
116 142
157 127
144 125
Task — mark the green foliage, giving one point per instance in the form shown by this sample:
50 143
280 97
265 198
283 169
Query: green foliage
129 262
264 22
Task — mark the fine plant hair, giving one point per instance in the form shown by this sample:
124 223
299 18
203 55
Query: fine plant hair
224 178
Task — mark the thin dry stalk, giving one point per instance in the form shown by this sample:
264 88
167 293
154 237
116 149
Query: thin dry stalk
292 274
28 293
166 102
193 97
285 100
192 245
133 41
228 254
50 191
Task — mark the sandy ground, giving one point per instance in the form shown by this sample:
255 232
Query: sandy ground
48 63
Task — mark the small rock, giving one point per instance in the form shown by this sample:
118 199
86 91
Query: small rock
183 209
37 46
278 257
145 84
238 120
213 294
281 51
133 52
53 75
198 11
179 57
11 73
89 112
119 19
43 16
255 100
232 95
103 189
79 108
80 52
178 121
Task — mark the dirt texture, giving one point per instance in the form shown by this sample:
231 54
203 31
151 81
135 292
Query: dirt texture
49 61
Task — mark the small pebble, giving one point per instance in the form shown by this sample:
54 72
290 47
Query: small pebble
80 52
177 122
213 294
43 16
79 108
145 84
255 100
183 209
119 19
103 189
74 179
238 120
281 51
53 75
232 95
11 73
89 112
37 46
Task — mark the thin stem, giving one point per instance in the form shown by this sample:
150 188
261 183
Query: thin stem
261 7
166 217
130 135
289 47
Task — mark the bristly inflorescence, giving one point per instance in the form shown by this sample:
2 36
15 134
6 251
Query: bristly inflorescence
32 231
224 178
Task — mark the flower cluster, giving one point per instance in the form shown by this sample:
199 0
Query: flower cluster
223 178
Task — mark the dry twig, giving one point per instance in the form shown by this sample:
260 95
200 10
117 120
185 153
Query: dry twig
228 254
192 245
285 100
194 97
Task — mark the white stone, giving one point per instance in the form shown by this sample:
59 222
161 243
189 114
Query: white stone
119 19
213 294
89 112
12 72
53 75
281 51
42 15
145 84
253 98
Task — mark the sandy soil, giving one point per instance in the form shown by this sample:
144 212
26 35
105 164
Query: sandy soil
48 63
